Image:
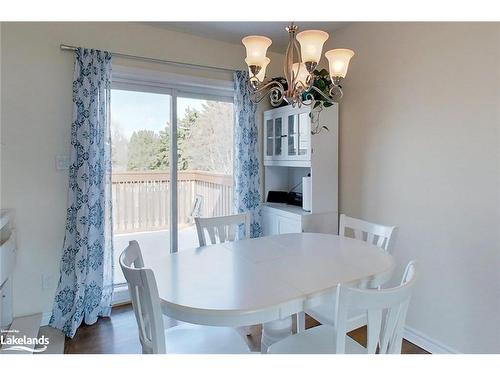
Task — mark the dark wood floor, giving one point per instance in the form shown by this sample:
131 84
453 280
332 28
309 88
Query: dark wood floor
118 335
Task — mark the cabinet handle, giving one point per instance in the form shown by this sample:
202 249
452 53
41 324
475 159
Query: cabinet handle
284 136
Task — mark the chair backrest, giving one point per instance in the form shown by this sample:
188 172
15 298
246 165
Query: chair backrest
375 234
223 228
145 300
386 312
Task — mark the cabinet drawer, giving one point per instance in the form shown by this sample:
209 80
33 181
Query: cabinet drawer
286 225
269 224
277 221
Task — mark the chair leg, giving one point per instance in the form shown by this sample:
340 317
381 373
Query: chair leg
301 322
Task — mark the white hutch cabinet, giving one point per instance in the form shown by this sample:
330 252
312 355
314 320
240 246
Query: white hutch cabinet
290 153
287 136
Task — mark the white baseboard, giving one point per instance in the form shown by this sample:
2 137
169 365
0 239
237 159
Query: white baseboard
427 343
121 295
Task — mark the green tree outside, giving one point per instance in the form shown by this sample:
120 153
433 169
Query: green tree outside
143 149
205 142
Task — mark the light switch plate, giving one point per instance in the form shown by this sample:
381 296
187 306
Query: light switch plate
62 162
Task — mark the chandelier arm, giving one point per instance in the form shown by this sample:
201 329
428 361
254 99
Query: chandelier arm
337 88
275 90
327 99
268 85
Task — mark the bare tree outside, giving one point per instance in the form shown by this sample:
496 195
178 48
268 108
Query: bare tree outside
119 147
205 143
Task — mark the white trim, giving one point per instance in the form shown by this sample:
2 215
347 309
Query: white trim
127 78
120 294
173 157
427 343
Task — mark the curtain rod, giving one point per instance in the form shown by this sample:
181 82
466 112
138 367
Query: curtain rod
65 47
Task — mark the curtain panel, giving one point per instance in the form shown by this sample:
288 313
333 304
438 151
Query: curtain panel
85 285
246 151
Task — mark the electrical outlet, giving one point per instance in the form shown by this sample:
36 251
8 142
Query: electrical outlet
48 282
62 162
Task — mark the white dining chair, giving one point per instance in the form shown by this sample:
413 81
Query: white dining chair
181 339
222 228
379 235
386 314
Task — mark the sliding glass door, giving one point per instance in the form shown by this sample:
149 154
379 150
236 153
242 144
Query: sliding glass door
205 162
140 133
172 157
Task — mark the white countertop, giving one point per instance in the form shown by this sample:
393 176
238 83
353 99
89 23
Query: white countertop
288 208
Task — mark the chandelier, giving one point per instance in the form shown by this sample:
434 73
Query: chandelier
301 59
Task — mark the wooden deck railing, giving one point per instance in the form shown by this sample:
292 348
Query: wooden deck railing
141 200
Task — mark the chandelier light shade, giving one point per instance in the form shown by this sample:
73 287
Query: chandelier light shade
262 72
256 49
338 60
311 45
302 56
301 75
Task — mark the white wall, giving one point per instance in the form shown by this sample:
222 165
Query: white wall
36 121
419 148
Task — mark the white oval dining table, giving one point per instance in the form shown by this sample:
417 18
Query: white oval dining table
263 279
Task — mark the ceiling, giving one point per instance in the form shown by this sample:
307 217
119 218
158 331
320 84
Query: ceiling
233 32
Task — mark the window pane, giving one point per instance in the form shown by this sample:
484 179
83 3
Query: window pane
205 165
292 134
278 131
141 181
304 134
269 137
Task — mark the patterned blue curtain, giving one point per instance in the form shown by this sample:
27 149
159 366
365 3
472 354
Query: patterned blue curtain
86 282
246 151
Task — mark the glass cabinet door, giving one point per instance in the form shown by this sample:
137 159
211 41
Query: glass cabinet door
292 135
278 135
304 134
269 138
